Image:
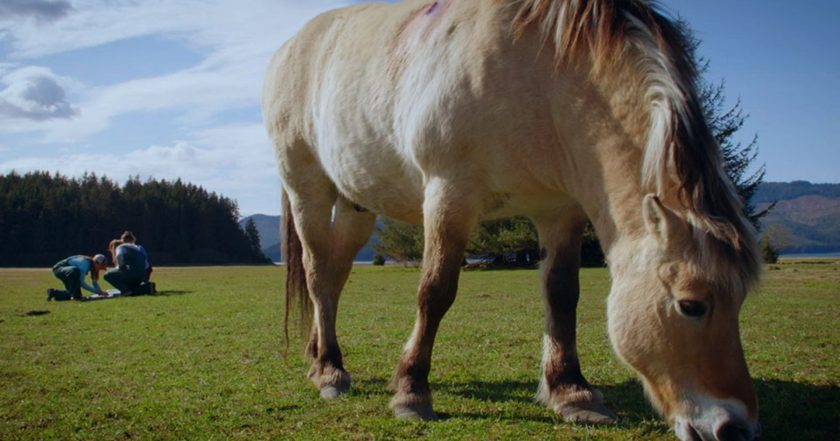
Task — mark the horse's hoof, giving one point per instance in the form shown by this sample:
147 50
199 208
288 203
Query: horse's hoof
417 412
331 392
588 413
330 382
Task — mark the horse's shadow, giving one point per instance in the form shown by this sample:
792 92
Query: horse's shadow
788 410
627 399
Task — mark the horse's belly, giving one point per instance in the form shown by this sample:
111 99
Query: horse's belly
532 205
377 179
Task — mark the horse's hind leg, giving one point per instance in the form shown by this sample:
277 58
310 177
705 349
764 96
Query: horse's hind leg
562 385
330 241
351 229
448 221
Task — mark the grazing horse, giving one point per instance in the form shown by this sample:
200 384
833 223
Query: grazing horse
446 113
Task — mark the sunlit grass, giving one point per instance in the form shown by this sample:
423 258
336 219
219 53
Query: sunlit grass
204 359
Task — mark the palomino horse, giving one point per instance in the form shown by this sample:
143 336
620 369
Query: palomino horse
450 112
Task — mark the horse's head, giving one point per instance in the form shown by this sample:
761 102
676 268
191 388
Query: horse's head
673 317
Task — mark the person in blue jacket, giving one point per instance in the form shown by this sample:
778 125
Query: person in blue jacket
73 272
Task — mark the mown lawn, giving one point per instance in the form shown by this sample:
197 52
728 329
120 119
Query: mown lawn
204 359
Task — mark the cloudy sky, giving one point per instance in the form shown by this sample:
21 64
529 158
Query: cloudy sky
170 88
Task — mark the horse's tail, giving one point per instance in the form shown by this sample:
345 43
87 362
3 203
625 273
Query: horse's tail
297 295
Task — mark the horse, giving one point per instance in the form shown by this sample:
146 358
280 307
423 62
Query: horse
447 113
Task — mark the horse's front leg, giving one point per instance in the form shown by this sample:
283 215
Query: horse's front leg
562 385
448 221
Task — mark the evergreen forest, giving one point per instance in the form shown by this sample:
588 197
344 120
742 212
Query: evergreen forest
46 217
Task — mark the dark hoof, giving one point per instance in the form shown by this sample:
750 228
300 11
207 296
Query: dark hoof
413 407
331 383
588 413
331 392
416 412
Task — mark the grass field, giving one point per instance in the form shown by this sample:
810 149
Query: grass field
203 359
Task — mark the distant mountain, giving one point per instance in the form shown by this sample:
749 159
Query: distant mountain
273 252
269 229
781 191
806 218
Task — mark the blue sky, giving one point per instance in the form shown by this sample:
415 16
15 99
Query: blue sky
167 89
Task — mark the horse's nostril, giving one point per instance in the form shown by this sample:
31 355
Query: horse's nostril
732 431
692 432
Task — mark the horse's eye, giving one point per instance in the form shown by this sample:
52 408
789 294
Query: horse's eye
692 308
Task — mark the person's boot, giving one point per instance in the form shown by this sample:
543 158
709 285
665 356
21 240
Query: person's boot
50 294
58 295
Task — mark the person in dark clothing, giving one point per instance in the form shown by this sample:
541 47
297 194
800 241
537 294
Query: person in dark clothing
129 269
128 237
73 271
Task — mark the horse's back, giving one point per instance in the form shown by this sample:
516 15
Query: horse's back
381 97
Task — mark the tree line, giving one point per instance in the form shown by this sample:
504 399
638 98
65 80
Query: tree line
45 217
503 243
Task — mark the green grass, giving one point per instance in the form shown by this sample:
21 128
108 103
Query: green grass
204 359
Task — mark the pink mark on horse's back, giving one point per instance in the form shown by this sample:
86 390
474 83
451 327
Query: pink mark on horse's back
432 8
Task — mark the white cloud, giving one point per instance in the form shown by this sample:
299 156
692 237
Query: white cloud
186 91
112 21
40 10
213 25
32 93
238 38
236 161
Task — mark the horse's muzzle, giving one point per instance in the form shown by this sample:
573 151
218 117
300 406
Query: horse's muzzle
727 430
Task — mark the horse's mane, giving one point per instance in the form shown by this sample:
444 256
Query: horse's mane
681 157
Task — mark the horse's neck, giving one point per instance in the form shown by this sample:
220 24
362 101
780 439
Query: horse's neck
604 173
615 212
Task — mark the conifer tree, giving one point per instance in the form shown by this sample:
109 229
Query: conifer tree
253 236
44 218
400 241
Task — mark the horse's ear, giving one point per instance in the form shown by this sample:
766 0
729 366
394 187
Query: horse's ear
659 219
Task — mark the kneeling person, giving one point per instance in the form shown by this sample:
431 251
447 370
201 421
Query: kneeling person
72 271
130 269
